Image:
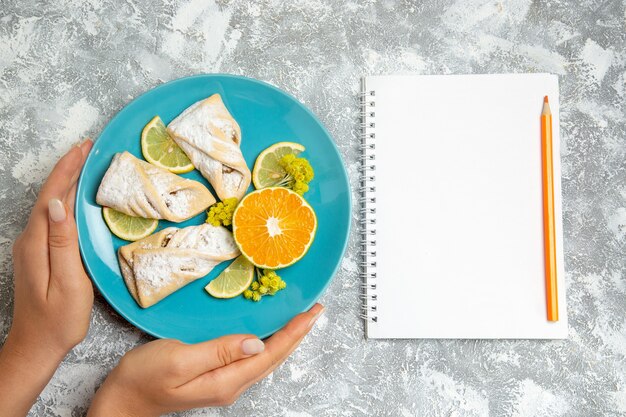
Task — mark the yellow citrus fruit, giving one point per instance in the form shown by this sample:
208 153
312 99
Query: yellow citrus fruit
160 149
267 172
128 227
234 280
274 227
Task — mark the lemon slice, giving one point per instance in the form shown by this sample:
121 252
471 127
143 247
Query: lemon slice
160 149
267 171
128 227
234 280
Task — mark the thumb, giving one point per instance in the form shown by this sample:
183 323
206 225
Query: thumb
217 353
62 242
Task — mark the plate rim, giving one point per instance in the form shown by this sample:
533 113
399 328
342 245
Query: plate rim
80 189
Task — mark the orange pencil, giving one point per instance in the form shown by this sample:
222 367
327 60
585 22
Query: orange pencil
549 233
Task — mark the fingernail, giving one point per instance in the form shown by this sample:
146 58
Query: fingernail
82 146
316 316
56 210
252 346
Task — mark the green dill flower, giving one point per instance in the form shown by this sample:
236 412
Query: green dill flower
221 214
267 283
298 173
300 187
287 159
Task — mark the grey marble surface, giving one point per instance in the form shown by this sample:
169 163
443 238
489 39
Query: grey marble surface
66 67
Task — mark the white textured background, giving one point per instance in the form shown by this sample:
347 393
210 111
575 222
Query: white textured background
66 67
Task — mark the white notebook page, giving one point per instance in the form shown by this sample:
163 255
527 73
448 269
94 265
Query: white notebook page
459 207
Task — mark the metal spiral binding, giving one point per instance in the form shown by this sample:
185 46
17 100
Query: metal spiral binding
367 206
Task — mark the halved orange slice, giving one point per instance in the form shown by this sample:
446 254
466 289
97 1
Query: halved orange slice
274 227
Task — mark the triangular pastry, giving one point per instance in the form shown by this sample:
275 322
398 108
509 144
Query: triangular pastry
140 189
210 137
166 261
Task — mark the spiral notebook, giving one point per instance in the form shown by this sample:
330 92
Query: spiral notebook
451 207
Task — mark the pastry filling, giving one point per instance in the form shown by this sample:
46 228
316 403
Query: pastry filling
166 240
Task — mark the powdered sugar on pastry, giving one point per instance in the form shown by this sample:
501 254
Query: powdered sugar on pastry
168 260
207 238
137 188
210 137
118 184
154 269
158 271
176 196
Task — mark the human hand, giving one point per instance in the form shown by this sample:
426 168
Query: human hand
166 375
53 296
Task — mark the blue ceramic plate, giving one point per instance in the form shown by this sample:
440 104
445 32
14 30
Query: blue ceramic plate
266 115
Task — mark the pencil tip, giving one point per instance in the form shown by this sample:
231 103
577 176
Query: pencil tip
545 99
